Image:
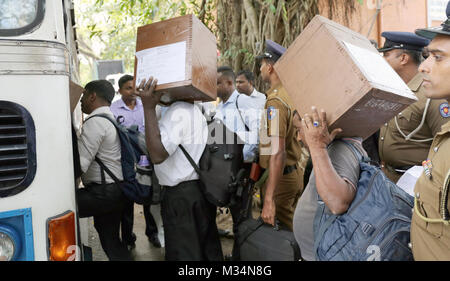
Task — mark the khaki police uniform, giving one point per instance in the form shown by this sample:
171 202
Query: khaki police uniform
430 227
398 153
277 121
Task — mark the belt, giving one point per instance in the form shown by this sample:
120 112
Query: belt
181 184
265 174
398 170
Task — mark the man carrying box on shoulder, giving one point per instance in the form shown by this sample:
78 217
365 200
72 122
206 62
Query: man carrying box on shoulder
189 220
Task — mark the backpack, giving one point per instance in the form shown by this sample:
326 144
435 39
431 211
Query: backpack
220 168
375 227
139 184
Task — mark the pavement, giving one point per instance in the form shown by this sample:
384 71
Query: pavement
144 250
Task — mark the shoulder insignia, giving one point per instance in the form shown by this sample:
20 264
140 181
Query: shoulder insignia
444 110
271 112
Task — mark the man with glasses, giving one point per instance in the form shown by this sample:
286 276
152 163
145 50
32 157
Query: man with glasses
405 140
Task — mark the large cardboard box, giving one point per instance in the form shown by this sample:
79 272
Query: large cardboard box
182 54
337 69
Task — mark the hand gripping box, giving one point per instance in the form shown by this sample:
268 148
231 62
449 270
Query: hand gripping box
337 69
182 54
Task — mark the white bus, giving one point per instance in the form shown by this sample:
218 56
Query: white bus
38 217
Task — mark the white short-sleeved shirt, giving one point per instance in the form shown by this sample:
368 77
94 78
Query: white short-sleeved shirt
182 123
260 97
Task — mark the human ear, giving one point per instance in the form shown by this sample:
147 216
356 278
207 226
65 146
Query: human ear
93 97
404 59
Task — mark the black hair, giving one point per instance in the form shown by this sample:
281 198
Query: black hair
124 79
228 72
270 61
103 88
248 75
415 55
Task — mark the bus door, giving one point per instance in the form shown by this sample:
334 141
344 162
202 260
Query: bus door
38 218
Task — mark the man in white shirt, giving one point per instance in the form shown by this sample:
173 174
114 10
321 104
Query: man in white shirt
245 81
128 111
240 114
101 197
190 229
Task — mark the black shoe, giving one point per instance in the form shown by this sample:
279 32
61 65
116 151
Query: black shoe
131 242
154 240
130 239
228 257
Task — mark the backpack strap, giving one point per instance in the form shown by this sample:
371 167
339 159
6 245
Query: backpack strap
242 119
189 158
104 116
358 154
100 162
102 173
107 170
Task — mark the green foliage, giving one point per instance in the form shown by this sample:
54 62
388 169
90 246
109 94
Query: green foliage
109 27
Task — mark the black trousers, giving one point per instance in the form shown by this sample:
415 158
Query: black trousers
241 210
150 224
189 220
105 204
128 219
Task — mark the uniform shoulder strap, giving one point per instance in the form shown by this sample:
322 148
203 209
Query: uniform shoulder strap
281 100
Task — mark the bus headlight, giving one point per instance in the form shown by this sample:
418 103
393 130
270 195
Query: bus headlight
17 13
9 243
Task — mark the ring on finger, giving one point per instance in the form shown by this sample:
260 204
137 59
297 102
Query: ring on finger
316 123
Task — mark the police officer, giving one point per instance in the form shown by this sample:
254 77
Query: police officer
279 150
430 227
405 140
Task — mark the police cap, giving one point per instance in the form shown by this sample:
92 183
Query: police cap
431 32
403 40
273 51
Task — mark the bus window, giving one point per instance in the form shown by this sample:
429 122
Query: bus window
19 17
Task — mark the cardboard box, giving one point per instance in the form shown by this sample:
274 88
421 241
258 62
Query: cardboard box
182 54
75 92
337 69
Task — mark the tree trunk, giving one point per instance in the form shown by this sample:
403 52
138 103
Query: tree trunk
243 26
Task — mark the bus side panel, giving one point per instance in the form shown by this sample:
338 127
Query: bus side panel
52 191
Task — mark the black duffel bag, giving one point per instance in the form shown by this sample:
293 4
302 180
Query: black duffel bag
262 242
